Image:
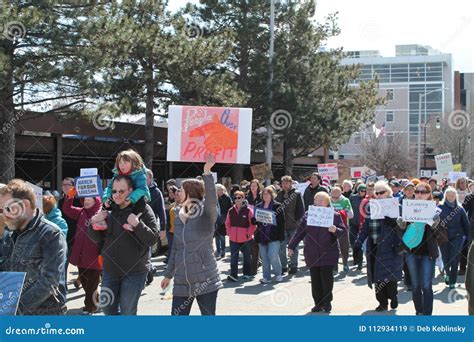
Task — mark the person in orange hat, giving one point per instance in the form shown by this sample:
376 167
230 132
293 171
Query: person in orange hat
415 181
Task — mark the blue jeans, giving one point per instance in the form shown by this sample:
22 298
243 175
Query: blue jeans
207 304
220 244
235 247
451 253
421 273
120 295
270 254
283 246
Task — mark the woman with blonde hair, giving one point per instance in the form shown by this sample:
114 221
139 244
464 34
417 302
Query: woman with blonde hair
454 220
269 236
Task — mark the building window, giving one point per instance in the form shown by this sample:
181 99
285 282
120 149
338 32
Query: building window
389 116
389 94
389 138
357 139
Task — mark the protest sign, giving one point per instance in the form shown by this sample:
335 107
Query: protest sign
265 216
88 186
38 195
457 167
262 171
379 208
320 216
328 170
418 211
453 176
10 291
444 164
89 172
195 131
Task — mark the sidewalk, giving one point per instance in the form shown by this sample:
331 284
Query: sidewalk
352 296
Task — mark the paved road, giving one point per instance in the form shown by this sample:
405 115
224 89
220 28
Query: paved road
290 297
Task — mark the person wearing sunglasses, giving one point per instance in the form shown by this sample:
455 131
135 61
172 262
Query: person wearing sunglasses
421 258
33 245
354 223
125 242
240 230
458 230
384 264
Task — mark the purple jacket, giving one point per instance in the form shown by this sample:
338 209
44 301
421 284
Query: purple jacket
320 246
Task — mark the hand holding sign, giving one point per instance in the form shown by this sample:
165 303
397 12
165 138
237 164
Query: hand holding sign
217 136
320 216
210 162
265 216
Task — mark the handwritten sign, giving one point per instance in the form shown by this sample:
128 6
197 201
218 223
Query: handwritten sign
89 172
195 131
320 216
89 186
262 171
444 164
453 176
10 291
418 211
379 208
265 216
38 195
329 170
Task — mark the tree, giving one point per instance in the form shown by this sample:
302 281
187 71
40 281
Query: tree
39 68
150 58
387 158
314 89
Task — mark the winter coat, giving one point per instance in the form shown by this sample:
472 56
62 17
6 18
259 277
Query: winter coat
56 217
157 204
85 252
384 264
277 233
126 252
225 203
40 251
239 225
455 220
293 206
191 262
309 193
320 246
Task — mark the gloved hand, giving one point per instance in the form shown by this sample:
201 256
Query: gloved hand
72 193
402 224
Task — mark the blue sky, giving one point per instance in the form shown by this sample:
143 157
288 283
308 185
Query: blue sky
447 26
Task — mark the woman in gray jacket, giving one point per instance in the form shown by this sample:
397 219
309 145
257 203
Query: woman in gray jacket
192 262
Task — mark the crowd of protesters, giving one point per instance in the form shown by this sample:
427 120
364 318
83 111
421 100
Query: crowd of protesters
110 239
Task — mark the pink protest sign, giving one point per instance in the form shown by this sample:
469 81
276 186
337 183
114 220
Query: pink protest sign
194 131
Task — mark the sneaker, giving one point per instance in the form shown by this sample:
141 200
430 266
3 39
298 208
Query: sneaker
327 308
346 268
284 270
265 281
394 303
293 270
232 278
246 277
279 279
381 308
316 309
446 279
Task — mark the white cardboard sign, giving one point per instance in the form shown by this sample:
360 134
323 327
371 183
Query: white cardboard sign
379 208
320 216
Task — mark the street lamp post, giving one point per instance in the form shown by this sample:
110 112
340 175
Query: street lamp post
438 125
418 159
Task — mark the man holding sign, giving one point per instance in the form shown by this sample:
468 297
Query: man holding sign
320 229
35 246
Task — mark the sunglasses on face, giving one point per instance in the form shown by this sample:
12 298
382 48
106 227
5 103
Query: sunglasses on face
422 192
120 192
380 192
238 197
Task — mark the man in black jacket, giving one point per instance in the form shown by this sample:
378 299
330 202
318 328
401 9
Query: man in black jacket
313 188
